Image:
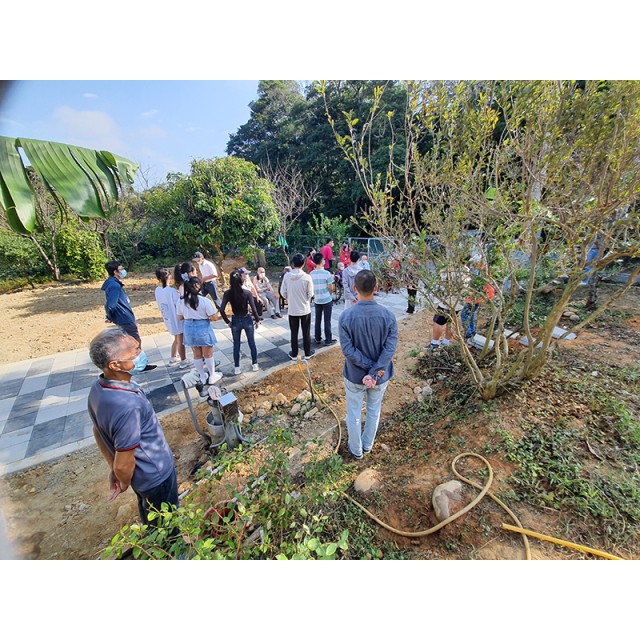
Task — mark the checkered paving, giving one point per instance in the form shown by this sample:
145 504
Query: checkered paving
43 402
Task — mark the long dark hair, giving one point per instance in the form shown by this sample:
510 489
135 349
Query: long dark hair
186 268
177 276
162 274
191 290
237 294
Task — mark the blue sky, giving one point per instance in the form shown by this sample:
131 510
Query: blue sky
160 124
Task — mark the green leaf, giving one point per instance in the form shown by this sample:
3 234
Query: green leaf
16 194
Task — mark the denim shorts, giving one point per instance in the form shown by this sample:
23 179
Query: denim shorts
198 333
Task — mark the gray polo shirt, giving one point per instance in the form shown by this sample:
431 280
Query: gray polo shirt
368 339
126 420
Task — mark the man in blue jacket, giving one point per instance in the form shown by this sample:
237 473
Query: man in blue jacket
368 339
117 306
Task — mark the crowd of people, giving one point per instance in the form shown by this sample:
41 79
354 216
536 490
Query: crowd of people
126 428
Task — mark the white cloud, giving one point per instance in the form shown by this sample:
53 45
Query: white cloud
93 129
150 113
153 132
89 95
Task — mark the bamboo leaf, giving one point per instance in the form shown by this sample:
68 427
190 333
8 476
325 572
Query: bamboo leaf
16 193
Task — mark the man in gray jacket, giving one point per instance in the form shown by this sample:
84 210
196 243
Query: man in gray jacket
297 288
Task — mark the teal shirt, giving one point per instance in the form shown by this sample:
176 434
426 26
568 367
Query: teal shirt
321 281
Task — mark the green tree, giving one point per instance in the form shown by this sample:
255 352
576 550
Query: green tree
528 174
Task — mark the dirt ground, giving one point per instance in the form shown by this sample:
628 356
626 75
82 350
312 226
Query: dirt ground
60 510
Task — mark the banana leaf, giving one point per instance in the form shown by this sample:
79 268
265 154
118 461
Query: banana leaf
16 193
87 181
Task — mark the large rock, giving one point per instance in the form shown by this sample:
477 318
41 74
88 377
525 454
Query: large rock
368 480
446 499
311 413
295 410
280 400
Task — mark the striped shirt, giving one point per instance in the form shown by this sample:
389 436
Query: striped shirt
321 281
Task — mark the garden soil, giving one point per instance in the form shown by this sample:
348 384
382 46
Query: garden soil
60 510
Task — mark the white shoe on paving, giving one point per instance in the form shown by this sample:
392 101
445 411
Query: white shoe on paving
255 367
184 364
214 377
237 371
173 361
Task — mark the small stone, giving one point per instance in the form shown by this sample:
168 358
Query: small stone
78 471
574 318
441 376
311 413
407 398
261 412
369 479
595 374
266 405
303 396
417 390
82 506
426 391
280 400
32 490
68 507
444 495
295 410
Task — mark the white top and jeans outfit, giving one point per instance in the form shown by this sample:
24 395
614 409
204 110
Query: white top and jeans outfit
197 327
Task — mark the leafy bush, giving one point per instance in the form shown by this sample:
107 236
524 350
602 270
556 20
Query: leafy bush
80 251
272 517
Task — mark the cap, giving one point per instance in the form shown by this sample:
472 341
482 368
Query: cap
198 255
243 270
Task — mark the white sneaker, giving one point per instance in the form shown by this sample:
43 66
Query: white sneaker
255 367
237 371
214 377
184 364
174 361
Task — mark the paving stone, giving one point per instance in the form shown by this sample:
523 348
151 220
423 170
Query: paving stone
10 389
20 422
164 398
60 378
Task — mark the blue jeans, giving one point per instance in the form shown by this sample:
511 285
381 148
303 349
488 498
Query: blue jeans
468 317
237 325
360 439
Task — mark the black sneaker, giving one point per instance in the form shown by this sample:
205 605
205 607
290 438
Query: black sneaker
318 341
292 356
149 367
365 451
355 457
313 353
328 343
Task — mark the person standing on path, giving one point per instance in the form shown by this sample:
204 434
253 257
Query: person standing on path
297 288
368 339
327 252
197 313
348 279
323 285
125 426
241 300
209 274
117 305
167 298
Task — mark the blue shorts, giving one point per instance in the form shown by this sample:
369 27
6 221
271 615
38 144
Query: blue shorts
198 333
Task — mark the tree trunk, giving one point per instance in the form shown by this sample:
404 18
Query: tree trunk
53 266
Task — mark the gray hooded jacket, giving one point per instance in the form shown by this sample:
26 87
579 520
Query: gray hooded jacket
297 288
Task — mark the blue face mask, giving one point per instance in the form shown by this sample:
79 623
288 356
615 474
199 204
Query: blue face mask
122 273
139 364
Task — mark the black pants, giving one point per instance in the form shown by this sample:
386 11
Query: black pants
294 323
323 310
411 304
209 287
166 491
